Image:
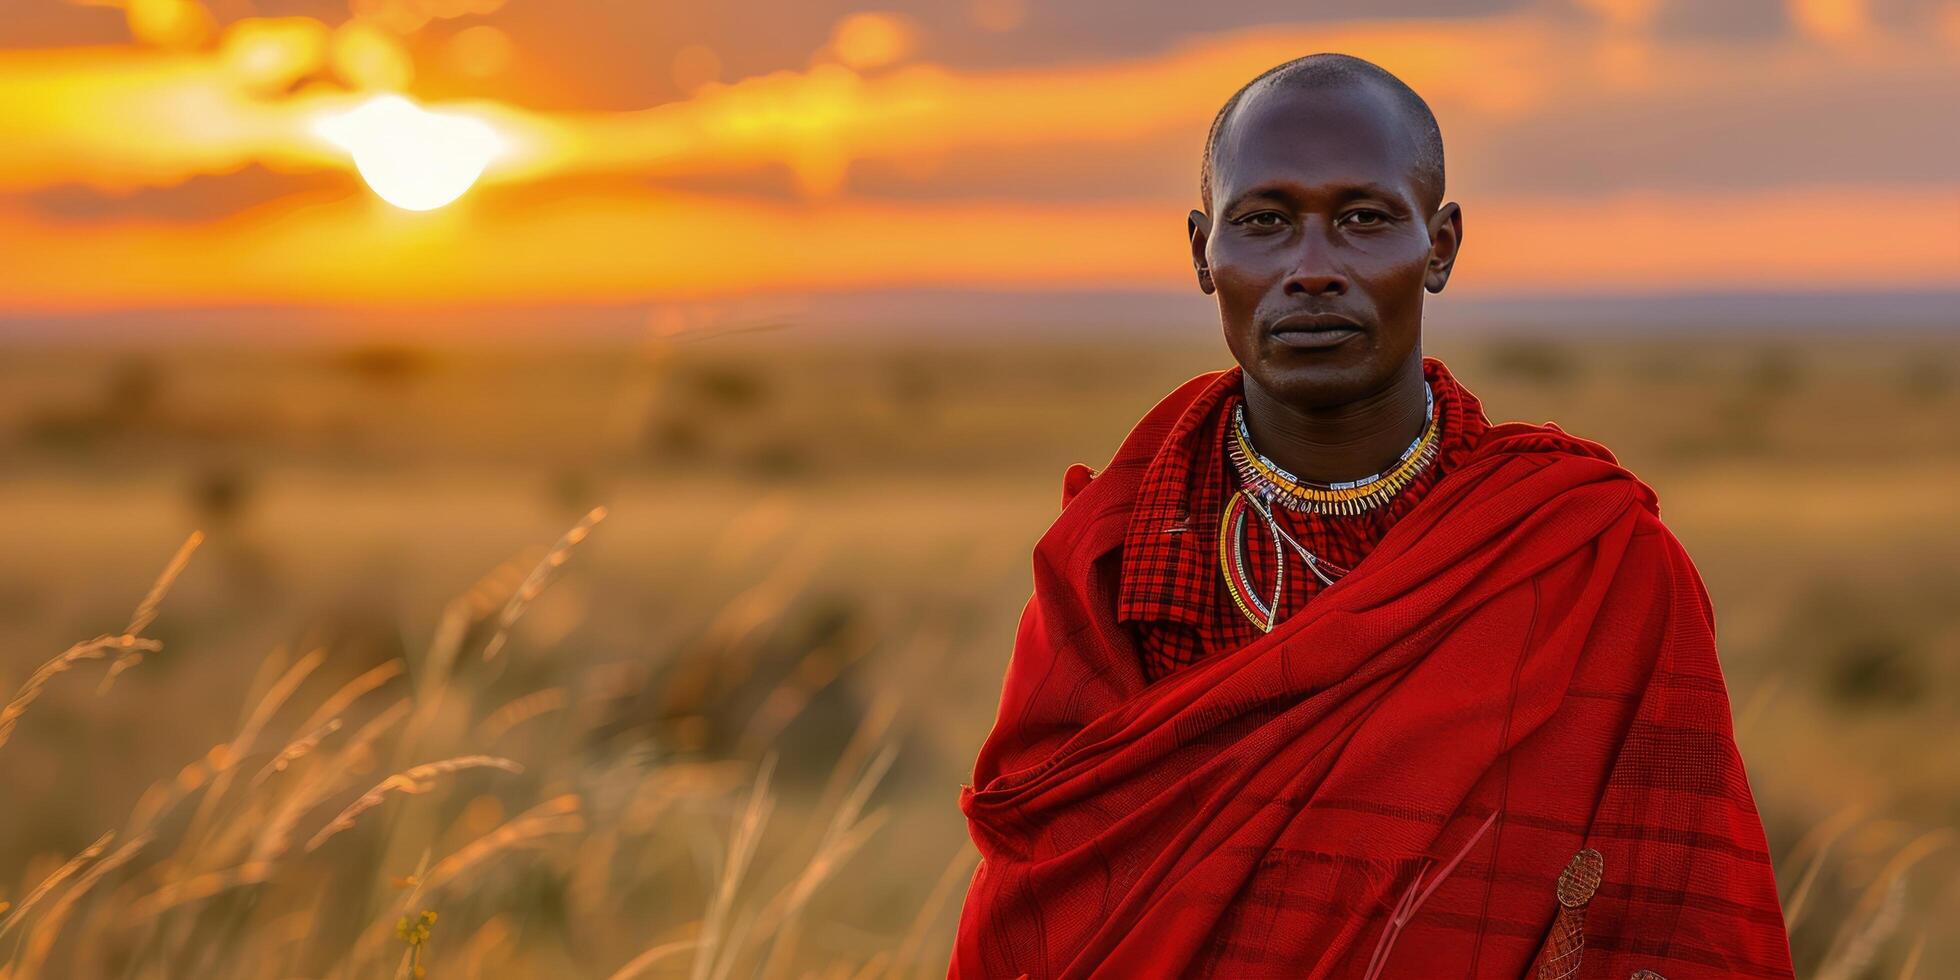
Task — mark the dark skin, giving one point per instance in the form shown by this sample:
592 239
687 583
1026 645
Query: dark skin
1316 210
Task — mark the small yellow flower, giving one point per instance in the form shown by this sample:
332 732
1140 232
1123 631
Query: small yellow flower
416 934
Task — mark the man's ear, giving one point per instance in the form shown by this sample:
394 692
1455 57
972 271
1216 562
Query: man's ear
1198 226
1445 241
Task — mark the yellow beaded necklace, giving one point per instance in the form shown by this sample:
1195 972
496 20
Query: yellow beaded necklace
1266 479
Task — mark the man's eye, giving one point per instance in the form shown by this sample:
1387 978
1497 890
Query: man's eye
1263 219
1366 218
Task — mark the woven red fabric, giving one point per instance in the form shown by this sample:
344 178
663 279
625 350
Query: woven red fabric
1171 590
1522 667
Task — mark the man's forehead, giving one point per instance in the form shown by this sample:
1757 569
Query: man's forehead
1347 130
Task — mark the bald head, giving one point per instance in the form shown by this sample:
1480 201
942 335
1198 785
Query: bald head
1329 70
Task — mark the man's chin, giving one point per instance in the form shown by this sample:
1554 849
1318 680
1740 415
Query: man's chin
1313 383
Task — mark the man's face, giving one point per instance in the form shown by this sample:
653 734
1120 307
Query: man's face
1317 222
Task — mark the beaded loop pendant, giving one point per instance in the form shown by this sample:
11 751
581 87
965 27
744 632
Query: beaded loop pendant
1231 557
1268 480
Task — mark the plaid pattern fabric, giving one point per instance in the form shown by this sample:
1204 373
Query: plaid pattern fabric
1172 592
1392 782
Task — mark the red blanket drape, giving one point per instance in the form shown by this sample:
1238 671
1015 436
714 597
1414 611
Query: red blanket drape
1390 782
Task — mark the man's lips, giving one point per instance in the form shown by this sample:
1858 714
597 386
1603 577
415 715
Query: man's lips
1298 322
1313 330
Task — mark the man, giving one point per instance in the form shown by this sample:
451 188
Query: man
1324 675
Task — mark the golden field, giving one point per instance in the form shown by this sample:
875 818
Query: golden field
670 660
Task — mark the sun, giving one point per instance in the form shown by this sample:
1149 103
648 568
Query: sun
413 158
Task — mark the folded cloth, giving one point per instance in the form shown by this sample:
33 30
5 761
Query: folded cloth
1390 783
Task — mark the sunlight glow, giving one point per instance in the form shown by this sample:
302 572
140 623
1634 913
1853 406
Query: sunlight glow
415 159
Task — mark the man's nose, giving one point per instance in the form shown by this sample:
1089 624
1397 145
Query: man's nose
1314 271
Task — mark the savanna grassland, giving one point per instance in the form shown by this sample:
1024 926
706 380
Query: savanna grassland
670 660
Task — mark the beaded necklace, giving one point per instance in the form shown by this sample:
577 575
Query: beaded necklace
1268 480
1265 483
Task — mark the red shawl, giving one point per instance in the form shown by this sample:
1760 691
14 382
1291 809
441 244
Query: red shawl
1391 781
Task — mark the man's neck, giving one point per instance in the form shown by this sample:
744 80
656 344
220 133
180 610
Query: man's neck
1337 443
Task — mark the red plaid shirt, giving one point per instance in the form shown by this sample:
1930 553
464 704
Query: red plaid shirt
1172 589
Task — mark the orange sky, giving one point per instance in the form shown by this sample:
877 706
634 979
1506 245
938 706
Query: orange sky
172 153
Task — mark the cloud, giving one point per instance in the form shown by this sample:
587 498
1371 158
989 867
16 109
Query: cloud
1589 151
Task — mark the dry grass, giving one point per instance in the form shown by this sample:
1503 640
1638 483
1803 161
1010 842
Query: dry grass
728 723
41 938
96 649
418 779
237 839
53 881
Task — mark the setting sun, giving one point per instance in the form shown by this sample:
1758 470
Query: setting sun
413 158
